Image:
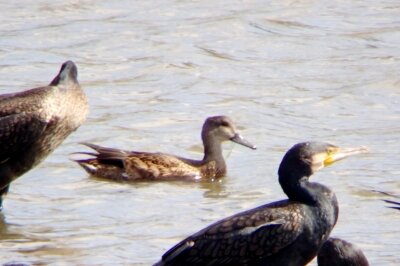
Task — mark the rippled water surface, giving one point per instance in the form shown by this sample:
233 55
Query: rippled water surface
285 71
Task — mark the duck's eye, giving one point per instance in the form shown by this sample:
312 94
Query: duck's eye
224 124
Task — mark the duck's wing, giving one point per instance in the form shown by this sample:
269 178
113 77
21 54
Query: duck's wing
102 158
254 234
104 153
134 165
159 166
17 132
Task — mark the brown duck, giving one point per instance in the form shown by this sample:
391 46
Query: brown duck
131 165
35 122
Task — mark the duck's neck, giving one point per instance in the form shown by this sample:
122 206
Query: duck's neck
213 152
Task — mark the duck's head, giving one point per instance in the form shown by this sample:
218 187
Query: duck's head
221 128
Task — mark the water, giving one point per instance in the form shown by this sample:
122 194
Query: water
285 71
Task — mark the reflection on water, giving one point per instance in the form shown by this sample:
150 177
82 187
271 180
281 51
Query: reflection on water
285 71
39 246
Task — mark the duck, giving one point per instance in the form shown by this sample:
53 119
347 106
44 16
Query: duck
123 165
33 123
339 252
287 232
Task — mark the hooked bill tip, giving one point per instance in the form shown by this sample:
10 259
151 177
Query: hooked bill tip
361 149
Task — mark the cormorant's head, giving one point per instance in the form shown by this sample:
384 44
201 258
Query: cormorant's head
68 73
222 128
336 251
306 158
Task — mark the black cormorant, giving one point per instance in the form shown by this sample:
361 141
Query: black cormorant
34 122
338 252
288 232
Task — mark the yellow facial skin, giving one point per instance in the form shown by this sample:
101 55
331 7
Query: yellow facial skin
334 154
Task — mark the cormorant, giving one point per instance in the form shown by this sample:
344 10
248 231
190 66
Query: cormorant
288 232
35 122
338 252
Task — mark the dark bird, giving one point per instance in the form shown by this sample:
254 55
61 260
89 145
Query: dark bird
288 232
395 205
338 252
35 122
134 165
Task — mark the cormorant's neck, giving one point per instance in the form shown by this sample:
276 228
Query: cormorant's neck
298 188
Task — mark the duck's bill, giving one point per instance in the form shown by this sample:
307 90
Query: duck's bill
341 153
240 140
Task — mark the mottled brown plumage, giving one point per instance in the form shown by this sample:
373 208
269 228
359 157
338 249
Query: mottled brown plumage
288 232
131 165
338 252
35 122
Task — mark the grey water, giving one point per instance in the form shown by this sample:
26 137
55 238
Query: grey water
284 71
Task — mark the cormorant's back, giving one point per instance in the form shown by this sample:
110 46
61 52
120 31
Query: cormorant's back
35 122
